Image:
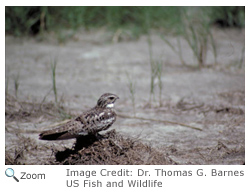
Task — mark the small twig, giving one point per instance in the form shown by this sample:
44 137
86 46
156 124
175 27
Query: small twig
161 121
116 144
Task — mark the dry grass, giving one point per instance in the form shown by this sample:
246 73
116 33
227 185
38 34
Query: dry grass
111 149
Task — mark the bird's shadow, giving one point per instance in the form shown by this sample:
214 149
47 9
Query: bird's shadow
81 142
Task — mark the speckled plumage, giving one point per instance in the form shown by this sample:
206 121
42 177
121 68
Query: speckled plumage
99 118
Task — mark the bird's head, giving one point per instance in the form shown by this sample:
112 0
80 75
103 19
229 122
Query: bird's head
107 100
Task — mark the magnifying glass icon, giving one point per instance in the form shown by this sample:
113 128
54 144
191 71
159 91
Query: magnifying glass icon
10 173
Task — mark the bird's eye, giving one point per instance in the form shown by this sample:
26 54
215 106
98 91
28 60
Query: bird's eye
111 98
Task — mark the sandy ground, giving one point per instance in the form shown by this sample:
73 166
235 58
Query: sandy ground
89 64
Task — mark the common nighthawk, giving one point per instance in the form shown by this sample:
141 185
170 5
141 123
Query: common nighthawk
99 118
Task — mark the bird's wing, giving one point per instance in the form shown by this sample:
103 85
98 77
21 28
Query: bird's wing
90 122
96 120
65 131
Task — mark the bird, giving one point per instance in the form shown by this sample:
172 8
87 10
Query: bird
97 119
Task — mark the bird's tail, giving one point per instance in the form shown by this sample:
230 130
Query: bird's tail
59 132
52 135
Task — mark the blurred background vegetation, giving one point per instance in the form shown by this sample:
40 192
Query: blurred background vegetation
32 20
